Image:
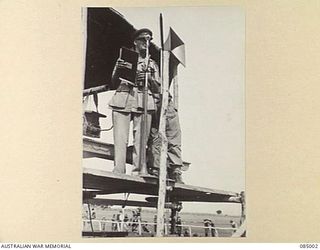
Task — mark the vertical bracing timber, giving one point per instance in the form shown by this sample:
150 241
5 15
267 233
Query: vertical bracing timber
164 145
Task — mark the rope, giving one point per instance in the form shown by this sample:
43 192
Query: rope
90 218
107 129
126 197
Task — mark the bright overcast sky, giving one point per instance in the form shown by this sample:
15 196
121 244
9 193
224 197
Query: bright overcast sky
211 95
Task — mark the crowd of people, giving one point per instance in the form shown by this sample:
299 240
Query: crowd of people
122 222
134 224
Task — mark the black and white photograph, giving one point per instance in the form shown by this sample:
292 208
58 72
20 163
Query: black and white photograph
163 122
169 122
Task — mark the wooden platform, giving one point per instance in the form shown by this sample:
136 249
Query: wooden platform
94 148
104 182
126 203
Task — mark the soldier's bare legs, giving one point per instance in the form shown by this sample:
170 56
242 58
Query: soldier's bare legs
121 125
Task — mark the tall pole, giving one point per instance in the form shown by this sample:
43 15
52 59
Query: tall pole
162 135
164 146
142 158
161 54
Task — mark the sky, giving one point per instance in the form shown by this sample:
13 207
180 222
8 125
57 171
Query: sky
211 96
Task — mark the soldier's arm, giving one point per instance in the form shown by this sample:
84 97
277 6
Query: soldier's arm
154 79
115 76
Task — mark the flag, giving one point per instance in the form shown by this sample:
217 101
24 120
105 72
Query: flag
176 46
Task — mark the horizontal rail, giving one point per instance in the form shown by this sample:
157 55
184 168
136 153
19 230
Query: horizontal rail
166 224
95 90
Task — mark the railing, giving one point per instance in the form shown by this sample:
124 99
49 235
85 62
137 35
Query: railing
121 226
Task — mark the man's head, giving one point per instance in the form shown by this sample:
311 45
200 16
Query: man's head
140 38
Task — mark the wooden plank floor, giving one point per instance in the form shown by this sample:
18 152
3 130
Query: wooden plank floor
109 183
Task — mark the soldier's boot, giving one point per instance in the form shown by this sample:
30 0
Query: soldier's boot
178 178
118 170
135 171
176 174
153 171
156 172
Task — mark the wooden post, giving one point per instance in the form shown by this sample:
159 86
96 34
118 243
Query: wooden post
243 207
90 219
139 228
164 146
190 231
84 15
173 217
165 229
85 24
122 219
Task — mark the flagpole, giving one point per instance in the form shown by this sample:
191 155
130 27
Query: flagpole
161 52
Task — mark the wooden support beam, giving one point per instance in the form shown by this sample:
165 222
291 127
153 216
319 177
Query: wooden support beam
93 148
241 231
127 203
111 183
86 195
95 90
243 207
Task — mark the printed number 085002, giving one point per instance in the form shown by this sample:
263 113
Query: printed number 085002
309 246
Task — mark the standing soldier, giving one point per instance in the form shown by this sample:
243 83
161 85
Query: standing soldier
173 134
179 226
233 225
207 225
127 103
114 223
214 232
155 224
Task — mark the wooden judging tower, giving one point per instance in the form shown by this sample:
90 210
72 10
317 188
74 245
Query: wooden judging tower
101 54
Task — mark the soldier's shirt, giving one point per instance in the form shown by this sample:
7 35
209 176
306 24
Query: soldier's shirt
128 98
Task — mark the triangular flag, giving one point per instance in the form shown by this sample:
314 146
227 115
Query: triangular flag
176 46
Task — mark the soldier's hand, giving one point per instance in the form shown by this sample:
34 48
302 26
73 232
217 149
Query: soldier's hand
121 64
141 76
